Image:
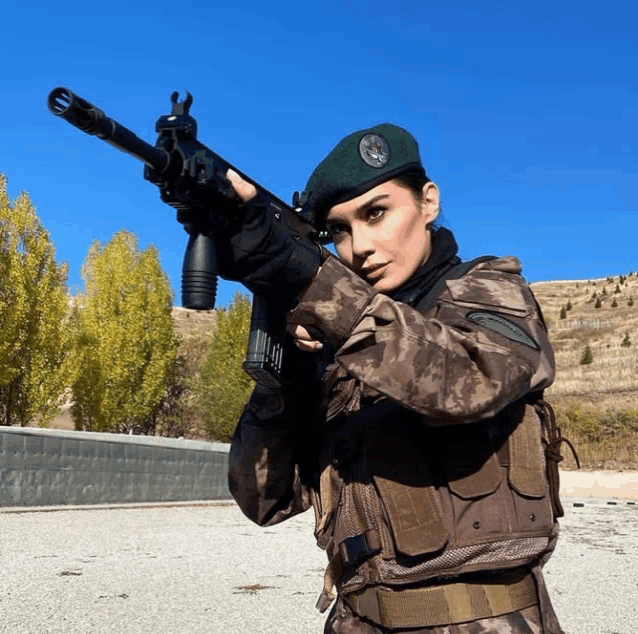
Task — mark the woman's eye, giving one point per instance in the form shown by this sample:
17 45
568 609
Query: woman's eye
334 229
376 212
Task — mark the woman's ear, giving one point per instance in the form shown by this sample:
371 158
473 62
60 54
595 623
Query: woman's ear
430 202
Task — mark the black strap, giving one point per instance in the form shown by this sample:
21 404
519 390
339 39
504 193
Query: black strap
427 301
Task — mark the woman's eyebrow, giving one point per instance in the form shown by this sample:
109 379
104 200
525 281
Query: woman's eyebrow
372 202
362 208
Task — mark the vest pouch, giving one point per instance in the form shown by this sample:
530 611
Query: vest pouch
469 460
527 465
400 467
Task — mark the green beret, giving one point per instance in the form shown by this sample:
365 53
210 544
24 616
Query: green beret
359 162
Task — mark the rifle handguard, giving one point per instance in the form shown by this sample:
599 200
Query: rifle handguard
192 179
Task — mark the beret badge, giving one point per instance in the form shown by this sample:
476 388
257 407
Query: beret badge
374 150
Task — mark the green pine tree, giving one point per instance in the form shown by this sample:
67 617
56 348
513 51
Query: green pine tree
604 290
586 357
630 303
617 289
568 306
598 303
35 342
126 344
626 342
563 314
614 304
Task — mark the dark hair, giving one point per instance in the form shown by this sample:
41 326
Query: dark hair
414 180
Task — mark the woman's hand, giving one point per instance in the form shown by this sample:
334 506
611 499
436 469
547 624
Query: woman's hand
245 190
303 339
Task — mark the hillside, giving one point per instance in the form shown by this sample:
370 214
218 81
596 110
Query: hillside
191 322
612 377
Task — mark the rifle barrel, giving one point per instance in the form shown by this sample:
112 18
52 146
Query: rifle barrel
90 119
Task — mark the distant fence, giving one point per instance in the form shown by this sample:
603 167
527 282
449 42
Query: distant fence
584 324
42 467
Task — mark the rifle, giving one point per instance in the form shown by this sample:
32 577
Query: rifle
192 179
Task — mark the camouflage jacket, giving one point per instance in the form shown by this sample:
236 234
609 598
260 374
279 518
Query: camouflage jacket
419 446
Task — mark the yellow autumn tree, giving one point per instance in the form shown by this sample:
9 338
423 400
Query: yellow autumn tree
125 340
224 387
35 362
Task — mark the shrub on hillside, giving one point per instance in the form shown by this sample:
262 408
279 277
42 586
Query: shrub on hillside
587 357
602 439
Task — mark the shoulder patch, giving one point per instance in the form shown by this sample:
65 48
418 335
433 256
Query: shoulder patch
502 325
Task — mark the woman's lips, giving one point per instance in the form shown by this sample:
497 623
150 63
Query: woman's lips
374 273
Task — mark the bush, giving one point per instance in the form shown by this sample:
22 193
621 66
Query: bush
563 314
625 343
603 439
579 424
598 303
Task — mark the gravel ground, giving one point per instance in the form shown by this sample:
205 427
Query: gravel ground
206 569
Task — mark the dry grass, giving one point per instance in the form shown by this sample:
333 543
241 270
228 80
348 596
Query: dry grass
614 367
597 404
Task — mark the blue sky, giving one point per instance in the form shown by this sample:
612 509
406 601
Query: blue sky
526 113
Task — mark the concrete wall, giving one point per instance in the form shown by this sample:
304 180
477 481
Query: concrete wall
43 467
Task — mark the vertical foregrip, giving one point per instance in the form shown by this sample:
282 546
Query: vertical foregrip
199 273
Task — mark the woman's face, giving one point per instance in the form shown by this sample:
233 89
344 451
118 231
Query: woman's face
382 235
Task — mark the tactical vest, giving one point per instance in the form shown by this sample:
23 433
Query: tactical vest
403 502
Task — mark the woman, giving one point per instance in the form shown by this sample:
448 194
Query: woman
415 426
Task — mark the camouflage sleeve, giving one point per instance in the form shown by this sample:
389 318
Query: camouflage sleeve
264 470
483 346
